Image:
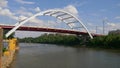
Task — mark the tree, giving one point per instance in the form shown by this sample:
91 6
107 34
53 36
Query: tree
5 31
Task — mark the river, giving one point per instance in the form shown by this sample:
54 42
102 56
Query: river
52 56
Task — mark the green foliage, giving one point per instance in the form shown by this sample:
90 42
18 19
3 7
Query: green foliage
109 41
4 49
53 39
5 31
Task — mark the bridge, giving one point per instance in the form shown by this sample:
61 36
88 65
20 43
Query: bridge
68 18
33 28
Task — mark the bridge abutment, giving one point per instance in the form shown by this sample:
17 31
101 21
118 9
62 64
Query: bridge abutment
7 50
1 40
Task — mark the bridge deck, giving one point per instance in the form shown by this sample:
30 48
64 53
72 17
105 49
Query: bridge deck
26 28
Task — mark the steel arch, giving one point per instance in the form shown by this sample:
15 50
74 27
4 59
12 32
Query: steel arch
57 13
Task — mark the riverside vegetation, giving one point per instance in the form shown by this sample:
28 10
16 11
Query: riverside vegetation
53 39
109 41
112 40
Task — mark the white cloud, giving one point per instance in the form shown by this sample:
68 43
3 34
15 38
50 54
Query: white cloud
118 17
114 25
36 20
3 3
23 12
72 9
41 23
37 9
111 24
7 12
108 27
4 11
21 17
78 4
24 2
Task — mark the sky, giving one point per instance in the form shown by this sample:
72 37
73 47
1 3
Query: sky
91 12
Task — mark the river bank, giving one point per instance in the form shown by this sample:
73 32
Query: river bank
107 42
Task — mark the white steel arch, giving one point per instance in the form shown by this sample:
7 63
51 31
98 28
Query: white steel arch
62 15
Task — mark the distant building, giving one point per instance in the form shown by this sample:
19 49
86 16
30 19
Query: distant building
115 31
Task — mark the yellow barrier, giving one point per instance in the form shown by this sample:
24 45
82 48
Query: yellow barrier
9 54
12 44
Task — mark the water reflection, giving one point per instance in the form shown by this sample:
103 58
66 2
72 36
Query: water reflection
52 56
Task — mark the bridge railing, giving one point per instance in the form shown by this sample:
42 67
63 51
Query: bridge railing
41 27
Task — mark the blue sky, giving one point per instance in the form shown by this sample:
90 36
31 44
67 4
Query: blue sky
91 12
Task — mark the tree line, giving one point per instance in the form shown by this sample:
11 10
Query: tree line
109 41
53 39
112 40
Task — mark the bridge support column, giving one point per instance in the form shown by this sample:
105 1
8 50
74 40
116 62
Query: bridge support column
1 41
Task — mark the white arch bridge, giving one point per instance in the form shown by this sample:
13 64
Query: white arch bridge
71 20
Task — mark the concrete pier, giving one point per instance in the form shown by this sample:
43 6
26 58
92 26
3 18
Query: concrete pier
6 56
1 39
